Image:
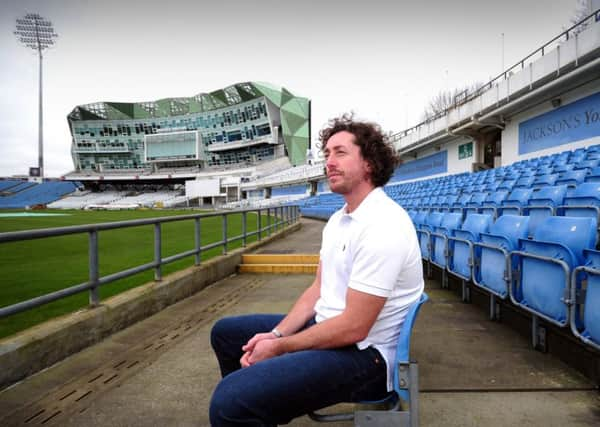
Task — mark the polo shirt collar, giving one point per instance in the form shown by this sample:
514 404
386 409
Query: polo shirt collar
365 207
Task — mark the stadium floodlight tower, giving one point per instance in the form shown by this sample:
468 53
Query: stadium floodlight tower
38 34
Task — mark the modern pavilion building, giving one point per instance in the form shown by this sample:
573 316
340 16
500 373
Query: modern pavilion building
241 125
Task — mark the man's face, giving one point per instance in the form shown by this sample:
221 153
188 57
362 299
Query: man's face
346 168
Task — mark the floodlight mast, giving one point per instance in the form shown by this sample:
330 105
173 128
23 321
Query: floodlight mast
38 34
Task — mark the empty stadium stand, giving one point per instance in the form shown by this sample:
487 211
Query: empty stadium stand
22 194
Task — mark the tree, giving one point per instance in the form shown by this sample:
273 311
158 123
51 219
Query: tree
446 99
582 10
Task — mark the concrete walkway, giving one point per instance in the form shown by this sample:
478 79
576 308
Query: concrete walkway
161 371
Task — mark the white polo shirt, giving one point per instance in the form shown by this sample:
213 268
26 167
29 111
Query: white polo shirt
373 250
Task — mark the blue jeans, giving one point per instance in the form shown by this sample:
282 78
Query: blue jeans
275 391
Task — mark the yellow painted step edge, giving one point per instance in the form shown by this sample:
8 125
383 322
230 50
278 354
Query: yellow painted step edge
278 268
280 259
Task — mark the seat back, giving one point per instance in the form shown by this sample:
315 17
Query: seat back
524 182
434 219
573 177
548 196
511 228
544 180
544 281
403 346
585 201
543 204
518 197
574 233
420 218
460 253
474 225
451 221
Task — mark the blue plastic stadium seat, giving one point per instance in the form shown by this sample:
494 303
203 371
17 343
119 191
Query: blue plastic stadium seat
524 182
451 199
516 201
406 385
460 244
544 170
507 184
461 203
543 203
544 266
493 201
475 202
588 164
491 269
561 168
439 238
572 178
545 180
584 201
432 220
585 299
593 175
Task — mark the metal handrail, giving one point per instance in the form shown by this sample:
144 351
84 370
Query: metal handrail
283 215
468 96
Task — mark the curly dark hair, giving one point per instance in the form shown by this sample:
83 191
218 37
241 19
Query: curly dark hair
373 143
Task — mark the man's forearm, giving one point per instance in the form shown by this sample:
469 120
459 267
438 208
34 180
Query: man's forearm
350 327
302 311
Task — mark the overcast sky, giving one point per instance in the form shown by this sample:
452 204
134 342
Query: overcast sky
382 59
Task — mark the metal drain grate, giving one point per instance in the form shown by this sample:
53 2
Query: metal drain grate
75 396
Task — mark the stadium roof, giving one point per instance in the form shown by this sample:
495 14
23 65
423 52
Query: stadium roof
203 102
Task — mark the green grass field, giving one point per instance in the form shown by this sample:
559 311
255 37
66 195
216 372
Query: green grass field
36 267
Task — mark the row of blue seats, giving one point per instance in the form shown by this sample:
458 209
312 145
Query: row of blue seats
12 187
570 178
560 163
584 200
554 275
37 194
320 206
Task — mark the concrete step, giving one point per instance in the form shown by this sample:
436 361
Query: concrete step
280 259
278 268
279 263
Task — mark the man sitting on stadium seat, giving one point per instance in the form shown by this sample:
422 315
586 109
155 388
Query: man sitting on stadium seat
335 343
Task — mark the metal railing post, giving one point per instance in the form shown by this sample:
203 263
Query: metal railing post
244 229
197 241
224 226
157 252
268 221
94 274
280 217
259 226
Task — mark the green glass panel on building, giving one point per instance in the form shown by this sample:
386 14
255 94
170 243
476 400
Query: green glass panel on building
140 113
292 122
286 96
219 98
272 94
125 108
